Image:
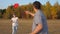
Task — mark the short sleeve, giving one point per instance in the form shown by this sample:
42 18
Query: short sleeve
16 17
38 19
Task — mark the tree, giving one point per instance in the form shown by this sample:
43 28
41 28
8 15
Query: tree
53 13
0 13
9 12
48 10
57 7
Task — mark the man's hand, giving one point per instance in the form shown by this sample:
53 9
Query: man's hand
38 28
31 33
27 12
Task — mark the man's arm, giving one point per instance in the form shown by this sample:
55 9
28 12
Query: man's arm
37 29
27 12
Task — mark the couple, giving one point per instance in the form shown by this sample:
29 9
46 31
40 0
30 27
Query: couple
39 23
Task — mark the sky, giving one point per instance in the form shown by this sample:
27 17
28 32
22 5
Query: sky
5 3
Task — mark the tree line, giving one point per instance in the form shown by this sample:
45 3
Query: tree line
51 12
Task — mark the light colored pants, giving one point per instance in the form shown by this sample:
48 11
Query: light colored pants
14 29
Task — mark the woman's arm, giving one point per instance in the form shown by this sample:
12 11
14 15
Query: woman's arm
10 20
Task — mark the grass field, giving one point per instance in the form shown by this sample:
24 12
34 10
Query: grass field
25 26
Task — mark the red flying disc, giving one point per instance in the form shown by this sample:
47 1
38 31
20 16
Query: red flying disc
16 5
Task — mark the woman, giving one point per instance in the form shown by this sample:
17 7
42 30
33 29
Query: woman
14 21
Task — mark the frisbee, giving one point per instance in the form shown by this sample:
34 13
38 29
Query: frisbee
16 5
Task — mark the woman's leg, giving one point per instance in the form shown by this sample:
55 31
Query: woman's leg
12 29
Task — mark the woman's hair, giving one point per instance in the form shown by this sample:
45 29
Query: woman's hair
37 5
14 14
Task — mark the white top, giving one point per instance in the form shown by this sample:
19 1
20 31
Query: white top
14 21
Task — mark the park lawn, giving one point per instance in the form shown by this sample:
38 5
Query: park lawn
25 26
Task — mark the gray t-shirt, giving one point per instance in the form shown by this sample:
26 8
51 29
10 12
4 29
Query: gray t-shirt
39 18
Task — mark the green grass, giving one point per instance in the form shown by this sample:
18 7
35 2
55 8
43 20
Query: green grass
24 26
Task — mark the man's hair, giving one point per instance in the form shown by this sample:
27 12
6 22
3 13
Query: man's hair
37 5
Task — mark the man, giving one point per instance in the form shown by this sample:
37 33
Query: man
39 22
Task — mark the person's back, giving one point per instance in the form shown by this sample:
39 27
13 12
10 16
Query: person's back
42 21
